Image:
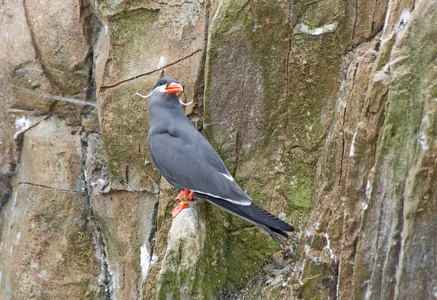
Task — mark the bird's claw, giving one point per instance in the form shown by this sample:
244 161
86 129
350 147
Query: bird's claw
183 197
182 205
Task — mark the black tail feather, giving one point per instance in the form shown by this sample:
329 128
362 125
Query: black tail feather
274 233
254 214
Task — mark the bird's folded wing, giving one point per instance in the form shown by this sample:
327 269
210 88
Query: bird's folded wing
194 164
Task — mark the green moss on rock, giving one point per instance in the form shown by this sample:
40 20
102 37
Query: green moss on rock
80 249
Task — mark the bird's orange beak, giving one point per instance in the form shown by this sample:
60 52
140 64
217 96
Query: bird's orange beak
174 88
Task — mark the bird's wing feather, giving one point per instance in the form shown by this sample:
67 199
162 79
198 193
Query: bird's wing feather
187 160
255 215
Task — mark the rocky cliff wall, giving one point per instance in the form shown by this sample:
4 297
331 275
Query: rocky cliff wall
323 111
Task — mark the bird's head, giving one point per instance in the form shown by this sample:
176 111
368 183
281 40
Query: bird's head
164 95
168 85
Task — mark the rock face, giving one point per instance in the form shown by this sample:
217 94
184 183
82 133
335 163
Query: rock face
324 112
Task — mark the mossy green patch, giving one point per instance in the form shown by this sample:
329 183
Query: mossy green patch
80 250
267 167
125 134
122 114
108 230
136 241
399 166
298 193
316 278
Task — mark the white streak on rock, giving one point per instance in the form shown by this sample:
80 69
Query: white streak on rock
303 28
368 189
423 140
309 233
18 238
161 63
328 247
146 261
22 124
352 149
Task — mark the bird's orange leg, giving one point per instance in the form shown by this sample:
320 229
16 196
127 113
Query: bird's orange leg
183 197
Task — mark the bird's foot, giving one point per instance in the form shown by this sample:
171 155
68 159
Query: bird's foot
183 197
181 206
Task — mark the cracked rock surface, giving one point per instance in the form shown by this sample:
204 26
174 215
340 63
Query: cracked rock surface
324 111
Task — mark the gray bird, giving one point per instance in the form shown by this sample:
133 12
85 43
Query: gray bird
189 162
